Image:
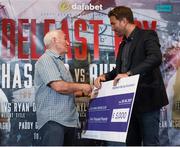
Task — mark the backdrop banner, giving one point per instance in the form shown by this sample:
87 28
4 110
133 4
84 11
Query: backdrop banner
92 52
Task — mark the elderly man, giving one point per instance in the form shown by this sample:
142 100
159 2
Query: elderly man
57 116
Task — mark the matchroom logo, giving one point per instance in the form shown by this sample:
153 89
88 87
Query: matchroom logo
65 6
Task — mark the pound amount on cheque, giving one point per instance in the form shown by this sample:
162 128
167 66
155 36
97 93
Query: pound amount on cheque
120 115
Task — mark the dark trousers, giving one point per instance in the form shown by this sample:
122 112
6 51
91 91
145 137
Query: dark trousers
55 134
144 129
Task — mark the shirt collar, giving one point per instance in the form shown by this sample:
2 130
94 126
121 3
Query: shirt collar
54 54
131 36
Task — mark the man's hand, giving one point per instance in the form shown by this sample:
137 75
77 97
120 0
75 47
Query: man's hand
86 89
118 77
94 93
97 82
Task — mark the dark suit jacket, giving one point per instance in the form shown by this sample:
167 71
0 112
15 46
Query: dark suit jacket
144 59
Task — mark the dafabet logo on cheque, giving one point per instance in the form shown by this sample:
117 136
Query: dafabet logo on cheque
65 6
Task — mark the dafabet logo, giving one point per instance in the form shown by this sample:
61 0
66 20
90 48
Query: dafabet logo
65 6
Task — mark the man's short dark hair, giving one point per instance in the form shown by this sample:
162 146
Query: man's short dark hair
121 12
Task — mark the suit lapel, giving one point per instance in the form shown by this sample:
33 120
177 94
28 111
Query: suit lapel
118 59
134 43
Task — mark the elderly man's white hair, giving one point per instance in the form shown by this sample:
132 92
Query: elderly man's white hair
49 36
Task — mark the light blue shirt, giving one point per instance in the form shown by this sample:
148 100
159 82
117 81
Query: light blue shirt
51 105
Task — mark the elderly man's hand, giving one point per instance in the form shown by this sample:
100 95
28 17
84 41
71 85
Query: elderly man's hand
86 89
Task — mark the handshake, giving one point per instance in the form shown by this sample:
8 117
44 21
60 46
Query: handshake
86 89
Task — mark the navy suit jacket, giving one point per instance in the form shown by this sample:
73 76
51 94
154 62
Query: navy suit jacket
144 58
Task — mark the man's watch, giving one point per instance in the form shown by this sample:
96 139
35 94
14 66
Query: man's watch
129 73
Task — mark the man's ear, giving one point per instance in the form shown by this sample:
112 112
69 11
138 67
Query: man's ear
124 19
53 39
